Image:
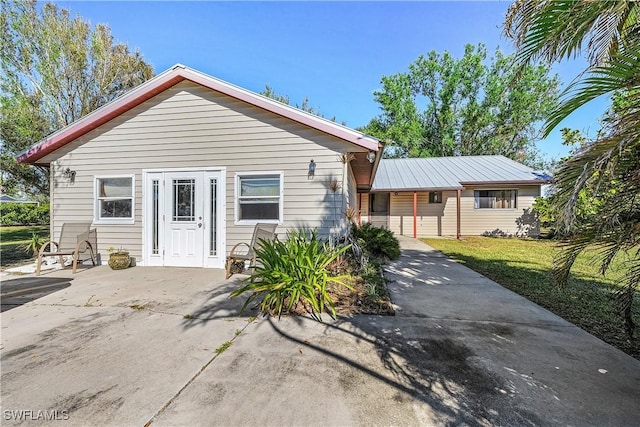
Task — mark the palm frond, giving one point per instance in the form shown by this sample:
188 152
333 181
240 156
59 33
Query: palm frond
552 30
622 72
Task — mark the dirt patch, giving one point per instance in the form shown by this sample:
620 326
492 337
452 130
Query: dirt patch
361 300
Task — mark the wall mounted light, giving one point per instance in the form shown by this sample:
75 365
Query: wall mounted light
371 156
69 174
312 169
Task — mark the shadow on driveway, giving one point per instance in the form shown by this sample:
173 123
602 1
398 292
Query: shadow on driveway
16 292
421 363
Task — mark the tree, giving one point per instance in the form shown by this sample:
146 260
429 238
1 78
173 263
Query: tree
55 69
470 108
305 106
608 33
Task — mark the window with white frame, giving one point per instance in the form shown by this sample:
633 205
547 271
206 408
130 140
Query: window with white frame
259 197
496 199
114 199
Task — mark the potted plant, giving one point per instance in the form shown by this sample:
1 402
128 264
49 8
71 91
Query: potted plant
118 259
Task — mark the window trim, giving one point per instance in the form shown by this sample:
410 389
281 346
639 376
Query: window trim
240 175
476 199
96 201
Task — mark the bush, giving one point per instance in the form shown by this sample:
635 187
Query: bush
376 241
294 272
24 213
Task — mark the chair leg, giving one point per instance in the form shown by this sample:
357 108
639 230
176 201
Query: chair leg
75 263
228 267
93 257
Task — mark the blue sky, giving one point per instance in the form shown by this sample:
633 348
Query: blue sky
332 52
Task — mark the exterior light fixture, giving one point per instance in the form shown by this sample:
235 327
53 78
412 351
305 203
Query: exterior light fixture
312 169
69 174
371 156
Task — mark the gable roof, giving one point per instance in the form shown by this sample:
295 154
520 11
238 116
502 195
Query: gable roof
171 77
452 173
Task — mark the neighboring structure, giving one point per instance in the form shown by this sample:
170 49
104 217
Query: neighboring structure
454 196
182 167
5 198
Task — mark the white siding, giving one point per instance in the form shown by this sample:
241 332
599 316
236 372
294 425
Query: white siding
432 219
439 219
516 221
190 126
364 207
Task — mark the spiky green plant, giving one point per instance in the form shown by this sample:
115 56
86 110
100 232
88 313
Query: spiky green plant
33 245
294 272
376 241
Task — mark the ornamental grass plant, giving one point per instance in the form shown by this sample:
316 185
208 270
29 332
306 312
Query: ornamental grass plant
294 274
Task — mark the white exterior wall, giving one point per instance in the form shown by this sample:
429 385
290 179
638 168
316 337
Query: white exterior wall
515 222
189 126
364 207
439 219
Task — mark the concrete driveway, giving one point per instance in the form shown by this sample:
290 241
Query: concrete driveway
167 347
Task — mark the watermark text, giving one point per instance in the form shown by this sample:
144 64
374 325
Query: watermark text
35 415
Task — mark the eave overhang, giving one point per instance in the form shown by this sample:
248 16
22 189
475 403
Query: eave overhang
169 78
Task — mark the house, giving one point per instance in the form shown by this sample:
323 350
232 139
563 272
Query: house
5 198
180 169
454 196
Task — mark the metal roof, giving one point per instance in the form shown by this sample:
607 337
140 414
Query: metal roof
451 173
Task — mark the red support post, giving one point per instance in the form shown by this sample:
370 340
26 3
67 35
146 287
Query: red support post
415 214
458 234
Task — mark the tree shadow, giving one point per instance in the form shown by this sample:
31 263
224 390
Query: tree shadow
421 362
586 302
438 371
16 292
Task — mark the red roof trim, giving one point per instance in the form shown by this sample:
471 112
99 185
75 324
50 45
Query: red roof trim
168 79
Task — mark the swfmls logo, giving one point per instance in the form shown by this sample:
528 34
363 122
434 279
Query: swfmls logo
39 415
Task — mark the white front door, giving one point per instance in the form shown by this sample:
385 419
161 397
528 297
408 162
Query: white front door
185 219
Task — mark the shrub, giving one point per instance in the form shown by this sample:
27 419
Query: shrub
33 245
376 241
294 272
24 213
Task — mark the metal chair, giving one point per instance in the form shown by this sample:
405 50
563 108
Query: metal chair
246 252
75 238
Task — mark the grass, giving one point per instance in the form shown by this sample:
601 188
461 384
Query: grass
11 240
223 347
524 266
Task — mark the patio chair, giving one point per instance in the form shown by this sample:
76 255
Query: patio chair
246 252
75 238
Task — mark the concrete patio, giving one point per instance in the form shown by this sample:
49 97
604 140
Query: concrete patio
138 347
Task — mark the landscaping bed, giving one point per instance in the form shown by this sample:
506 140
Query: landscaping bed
306 274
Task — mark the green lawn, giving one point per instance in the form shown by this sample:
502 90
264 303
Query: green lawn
524 267
11 240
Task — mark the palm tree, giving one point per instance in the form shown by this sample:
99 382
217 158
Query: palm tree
608 32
